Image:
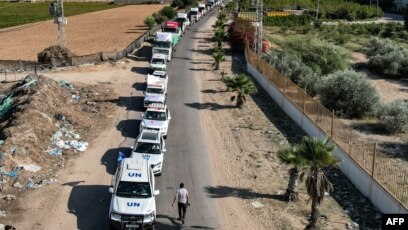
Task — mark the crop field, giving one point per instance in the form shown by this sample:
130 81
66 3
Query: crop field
109 30
15 13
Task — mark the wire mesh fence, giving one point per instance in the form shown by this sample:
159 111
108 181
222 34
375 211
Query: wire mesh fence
389 172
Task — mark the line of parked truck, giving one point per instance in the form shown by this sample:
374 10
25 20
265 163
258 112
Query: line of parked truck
133 204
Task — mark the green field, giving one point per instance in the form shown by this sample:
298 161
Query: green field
14 14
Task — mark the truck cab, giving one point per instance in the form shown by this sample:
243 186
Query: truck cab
183 21
151 146
195 14
163 44
156 117
133 203
174 30
202 9
158 62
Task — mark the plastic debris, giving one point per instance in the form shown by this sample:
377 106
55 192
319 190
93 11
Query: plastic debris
31 185
79 145
17 185
9 198
31 168
11 173
59 117
55 152
1 142
56 136
66 85
76 98
257 205
5 106
3 214
1 155
29 82
13 150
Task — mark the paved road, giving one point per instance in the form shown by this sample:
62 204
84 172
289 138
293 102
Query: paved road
187 158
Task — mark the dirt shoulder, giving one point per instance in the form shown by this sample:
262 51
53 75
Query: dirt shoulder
108 30
243 144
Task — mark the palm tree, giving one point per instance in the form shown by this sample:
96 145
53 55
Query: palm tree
291 156
219 35
218 56
241 85
219 24
320 156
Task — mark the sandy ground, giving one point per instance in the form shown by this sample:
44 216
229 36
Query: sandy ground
107 30
243 146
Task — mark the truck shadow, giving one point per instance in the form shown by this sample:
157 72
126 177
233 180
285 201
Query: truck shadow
90 205
110 158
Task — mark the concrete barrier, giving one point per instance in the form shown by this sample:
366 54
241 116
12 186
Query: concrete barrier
378 196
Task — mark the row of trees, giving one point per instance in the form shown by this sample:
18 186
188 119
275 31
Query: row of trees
166 13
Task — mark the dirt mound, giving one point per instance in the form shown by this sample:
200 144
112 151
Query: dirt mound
56 56
43 122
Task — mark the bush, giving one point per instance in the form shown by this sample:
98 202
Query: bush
321 56
159 18
291 66
348 93
394 116
168 12
239 31
387 57
184 3
291 20
149 21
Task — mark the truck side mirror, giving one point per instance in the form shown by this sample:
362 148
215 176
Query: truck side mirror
156 192
110 190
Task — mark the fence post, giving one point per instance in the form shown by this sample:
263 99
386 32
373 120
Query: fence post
374 156
35 68
304 100
332 125
350 143
284 87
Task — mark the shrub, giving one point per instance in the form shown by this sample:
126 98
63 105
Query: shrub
291 20
386 57
291 66
393 115
348 93
168 11
159 18
149 21
184 3
321 56
239 31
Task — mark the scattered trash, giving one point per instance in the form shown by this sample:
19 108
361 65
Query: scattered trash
55 152
31 185
5 106
3 214
326 193
9 198
31 168
29 82
1 142
76 98
59 117
79 145
66 85
13 150
90 103
257 205
280 192
11 173
17 185
26 151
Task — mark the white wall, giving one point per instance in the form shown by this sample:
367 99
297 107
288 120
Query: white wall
379 197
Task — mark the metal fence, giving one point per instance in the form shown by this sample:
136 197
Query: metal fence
387 171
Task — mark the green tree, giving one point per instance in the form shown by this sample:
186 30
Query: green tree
149 22
168 11
219 36
319 154
159 18
291 156
241 85
218 56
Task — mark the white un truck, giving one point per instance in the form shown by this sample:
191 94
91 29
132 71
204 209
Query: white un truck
163 44
133 204
157 117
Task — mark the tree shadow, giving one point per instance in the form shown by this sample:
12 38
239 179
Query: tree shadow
394 149
370 128
129 128
181 58
134 103
110 158
73 183
90 205
208 105
352 201
212 91
243 193
202 62
200 69
202 51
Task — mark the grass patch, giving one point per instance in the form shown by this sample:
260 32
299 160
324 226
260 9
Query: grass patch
14 14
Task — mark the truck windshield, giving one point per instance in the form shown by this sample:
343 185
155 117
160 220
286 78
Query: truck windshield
155 90
154 115
161 44
181 20
157 61
169 30
134 189
193 12
151 148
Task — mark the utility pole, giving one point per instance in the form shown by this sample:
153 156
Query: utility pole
259 27
57 10
317 10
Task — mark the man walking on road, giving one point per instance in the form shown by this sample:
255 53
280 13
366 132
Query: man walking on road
183 201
